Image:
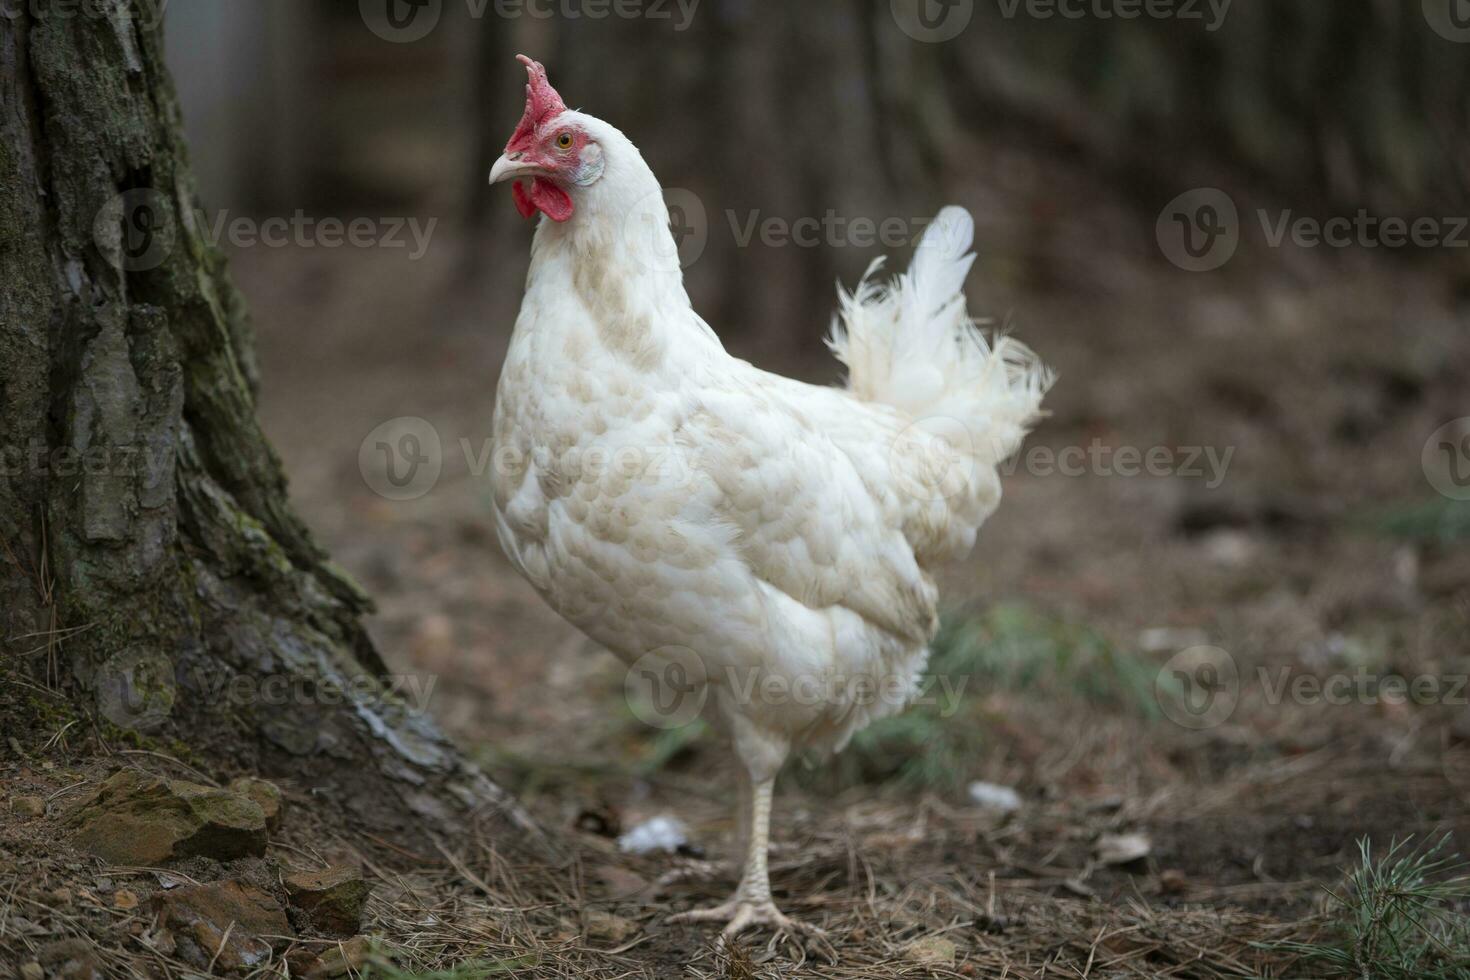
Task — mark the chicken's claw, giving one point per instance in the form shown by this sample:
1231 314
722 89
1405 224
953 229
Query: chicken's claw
741 915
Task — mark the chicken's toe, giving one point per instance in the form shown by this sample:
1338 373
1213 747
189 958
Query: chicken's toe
741 916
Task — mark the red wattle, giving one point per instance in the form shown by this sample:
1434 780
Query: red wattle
545 197
523 201
554 202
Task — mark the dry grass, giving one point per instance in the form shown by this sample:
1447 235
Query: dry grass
534 921
1249 823
891 883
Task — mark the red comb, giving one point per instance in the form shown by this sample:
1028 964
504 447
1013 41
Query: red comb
542 105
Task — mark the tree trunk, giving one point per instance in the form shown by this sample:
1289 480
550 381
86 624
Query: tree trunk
151 568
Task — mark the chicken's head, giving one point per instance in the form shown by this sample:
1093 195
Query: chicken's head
552 146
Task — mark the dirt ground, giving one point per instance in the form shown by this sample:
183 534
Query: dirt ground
1321 373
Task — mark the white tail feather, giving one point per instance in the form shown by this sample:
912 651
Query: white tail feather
912 344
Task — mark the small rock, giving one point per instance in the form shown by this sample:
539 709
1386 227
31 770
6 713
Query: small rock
619 882
1230 548
931 951
991 796
608 927
343 959
301 961
1123 848
70 959
161 940
32 971
1173 882
229 923
28 806
658 834
138 819
266 795
22 926
331 900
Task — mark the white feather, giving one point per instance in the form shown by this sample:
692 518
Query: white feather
912 345
777 529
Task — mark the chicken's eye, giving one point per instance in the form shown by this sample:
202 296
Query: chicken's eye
564 141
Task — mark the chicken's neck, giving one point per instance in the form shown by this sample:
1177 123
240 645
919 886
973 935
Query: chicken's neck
616 259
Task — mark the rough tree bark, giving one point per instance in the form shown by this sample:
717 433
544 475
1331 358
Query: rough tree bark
151 567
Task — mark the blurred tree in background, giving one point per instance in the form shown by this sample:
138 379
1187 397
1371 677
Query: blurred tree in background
798 110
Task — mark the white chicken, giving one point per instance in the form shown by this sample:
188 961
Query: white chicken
777 538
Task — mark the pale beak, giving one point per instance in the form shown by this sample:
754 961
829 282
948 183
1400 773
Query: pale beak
507 168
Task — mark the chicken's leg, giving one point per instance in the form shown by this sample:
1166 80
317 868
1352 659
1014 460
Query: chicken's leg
751 905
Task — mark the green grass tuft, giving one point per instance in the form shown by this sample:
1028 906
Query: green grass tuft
937 744
1441 521
1400 917
1014 648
